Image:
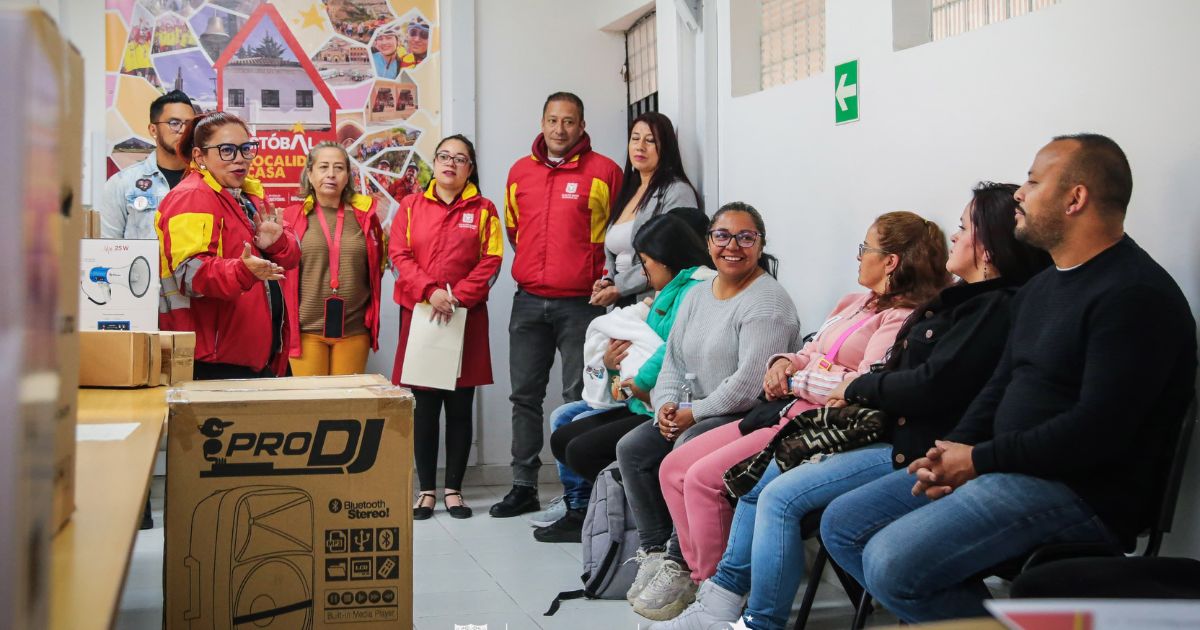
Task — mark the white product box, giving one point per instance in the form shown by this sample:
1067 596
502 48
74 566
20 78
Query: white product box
118 284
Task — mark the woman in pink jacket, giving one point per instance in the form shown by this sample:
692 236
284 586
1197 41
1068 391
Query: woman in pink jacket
902 263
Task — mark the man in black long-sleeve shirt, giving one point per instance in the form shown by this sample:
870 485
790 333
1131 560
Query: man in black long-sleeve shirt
1067 441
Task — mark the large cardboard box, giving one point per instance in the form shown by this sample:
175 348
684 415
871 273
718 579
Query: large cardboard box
118 358
29 240
118 284
70 231
178 356
288 500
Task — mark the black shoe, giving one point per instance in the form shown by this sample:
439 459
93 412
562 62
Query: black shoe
457 511
569 528
147 520
420 512
519 500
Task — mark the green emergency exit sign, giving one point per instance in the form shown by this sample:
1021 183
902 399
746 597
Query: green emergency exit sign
845 92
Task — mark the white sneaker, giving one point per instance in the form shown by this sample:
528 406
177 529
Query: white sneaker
667 594
715 608
556 509
648 563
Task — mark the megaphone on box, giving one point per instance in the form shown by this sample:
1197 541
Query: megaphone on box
135 276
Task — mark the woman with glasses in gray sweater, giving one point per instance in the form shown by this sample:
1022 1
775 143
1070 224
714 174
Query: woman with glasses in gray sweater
723 335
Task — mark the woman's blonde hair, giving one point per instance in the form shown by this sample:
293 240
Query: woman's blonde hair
306 187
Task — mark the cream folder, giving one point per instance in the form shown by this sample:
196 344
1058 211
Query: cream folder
433 356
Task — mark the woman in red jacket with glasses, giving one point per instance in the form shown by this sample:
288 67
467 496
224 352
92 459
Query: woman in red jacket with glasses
446 245
224 252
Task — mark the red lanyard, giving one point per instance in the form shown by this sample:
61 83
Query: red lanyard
334 243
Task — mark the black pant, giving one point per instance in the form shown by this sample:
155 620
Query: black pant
205 371
537 327
639 455
587 446
429 403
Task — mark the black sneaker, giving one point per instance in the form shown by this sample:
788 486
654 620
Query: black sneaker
569 528
147 519
519 500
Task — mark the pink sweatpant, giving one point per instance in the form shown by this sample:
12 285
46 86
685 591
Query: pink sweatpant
692 483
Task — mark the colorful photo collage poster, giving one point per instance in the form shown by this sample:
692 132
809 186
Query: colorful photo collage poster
364 73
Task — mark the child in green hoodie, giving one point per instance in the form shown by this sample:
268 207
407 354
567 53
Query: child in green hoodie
584 440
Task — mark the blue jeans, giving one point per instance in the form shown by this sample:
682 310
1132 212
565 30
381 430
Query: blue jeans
765 549
576 489
919 558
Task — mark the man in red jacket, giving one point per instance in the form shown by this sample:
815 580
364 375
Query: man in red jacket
557 202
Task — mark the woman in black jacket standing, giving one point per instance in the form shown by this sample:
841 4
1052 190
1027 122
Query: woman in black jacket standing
944 354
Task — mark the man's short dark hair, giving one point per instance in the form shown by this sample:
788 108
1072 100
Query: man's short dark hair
564 96
174 96
1101 166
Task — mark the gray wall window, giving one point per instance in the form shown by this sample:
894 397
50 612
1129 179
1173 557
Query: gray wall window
793 40
270 98
955 17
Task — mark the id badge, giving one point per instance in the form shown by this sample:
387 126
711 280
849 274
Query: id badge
335 317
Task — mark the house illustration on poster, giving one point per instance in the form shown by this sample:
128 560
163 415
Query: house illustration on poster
265 78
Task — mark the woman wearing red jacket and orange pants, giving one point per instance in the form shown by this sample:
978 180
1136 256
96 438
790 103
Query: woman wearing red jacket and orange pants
446 245
333 296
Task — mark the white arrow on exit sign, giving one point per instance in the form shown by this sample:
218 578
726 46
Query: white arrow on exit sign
844 92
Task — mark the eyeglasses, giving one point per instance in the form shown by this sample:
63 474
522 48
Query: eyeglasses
419 33
864 248
745 238
175 124
228 151
458 160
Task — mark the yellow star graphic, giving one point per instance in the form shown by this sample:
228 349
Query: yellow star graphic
298 128
312 17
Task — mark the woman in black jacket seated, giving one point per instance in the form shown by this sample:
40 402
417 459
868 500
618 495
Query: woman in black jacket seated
943 355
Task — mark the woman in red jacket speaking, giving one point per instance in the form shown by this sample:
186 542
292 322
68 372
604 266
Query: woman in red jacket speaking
224 251
333 296
446 245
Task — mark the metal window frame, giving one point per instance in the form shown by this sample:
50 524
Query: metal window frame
641 66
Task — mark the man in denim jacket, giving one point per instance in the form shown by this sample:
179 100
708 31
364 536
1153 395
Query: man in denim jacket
131 197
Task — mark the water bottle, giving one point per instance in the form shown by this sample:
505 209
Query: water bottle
687 391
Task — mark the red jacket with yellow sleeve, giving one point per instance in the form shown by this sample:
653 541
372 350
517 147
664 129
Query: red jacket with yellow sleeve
557 217
434 244
206 286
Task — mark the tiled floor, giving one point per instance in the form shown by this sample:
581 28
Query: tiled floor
482 571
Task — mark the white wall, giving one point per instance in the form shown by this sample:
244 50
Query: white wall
78 20
939 117
525 51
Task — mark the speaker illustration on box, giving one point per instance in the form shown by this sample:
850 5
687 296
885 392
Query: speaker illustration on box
250 560
136 276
